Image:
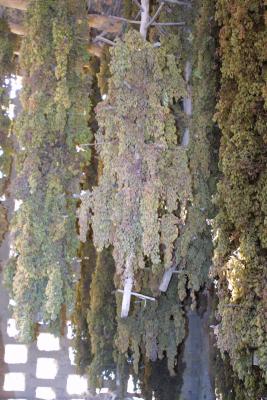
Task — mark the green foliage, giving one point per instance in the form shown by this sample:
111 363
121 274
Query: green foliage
153 330
53 122
152 203
81 339
240 227
6 57
194 247
230 387
140 156
144 186
6 48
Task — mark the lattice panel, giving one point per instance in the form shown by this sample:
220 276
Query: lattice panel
42 370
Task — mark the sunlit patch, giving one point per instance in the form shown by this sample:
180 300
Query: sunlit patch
12 302
72 356
76 384
14 381
16 353
46 368
11 329
131 387
69 330
47 342
103 390
45 393
16 84
12 253
17 204
11 111
79 148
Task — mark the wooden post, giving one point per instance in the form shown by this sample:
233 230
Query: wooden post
144 18
128 285
187 103
164 284
126 300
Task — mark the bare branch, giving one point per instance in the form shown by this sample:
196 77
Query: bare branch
114 17
101 38
127 85
131 21
106 23
180 3
138 15
169 23
156 15
139 295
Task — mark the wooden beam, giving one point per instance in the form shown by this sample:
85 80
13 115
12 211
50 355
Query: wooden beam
164 284
139 295
187 103
18 4
99 22
127 293
128 285
145 18
105 23
180 3
17 29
